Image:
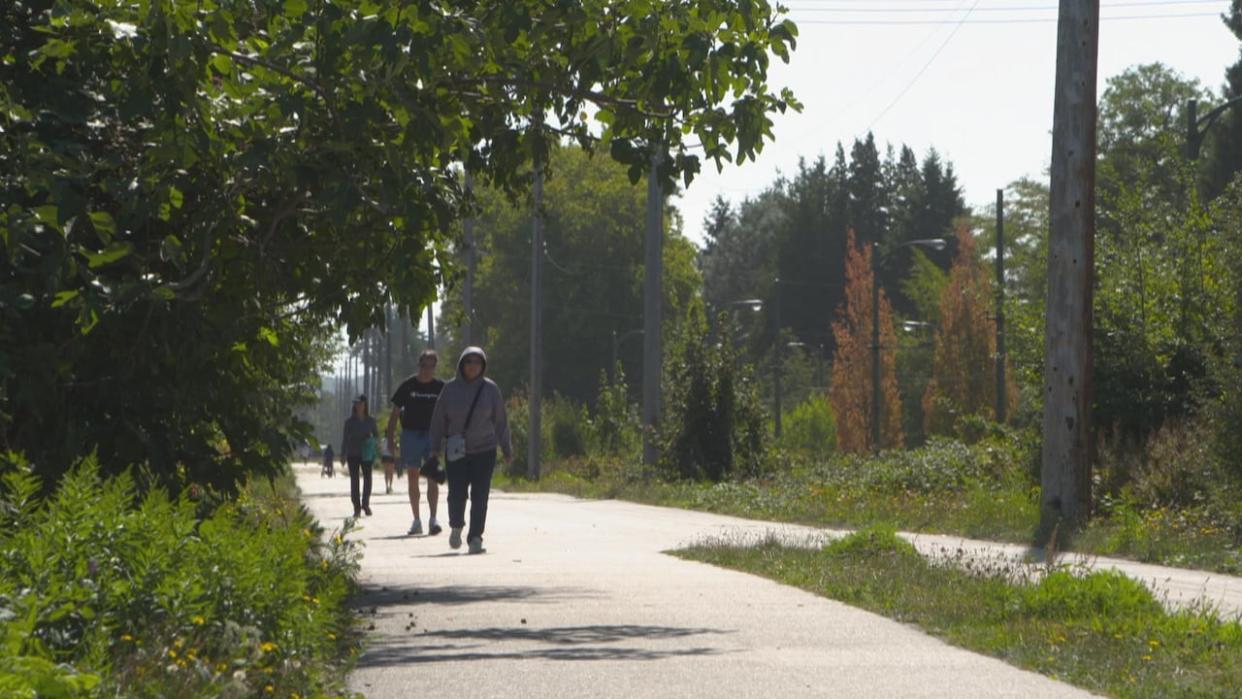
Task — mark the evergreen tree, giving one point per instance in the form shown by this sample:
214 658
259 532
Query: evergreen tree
810 250
851 392
868 193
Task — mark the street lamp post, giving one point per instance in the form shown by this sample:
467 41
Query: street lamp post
1196 126
930 243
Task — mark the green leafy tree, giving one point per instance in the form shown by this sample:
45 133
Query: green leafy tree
194 193
594 220
1160 305
811 428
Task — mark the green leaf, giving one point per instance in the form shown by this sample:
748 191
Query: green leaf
223 64
175 197
108 255
269 336
49 215
64 297
103 223
294 9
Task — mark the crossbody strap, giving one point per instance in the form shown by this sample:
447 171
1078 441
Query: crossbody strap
472 404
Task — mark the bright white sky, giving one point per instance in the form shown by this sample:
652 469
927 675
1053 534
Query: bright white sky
980 91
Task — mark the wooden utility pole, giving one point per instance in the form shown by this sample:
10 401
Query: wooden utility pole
1067 429
533 442
653 271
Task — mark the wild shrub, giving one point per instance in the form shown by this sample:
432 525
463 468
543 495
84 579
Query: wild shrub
811 428
141 593
1104 594
570 427
617 427
715 425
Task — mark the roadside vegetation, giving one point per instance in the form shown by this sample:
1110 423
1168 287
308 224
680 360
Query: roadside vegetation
106 590
1101 631
1176 505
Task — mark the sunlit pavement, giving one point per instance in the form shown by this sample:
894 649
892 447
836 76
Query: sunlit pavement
574 598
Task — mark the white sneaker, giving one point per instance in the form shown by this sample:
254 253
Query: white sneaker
476 545
416 528
455 538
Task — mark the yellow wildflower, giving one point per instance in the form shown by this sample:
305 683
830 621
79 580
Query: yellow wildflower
267 647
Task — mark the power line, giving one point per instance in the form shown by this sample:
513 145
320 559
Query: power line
961 21
1015 8
1016 20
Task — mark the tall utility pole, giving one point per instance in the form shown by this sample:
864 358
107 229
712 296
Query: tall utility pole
778 366
390 318
403 359
366 363
467 296
533 442
1068 384
653 272
1000 306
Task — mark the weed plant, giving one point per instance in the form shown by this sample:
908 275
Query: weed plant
106 591
1102 630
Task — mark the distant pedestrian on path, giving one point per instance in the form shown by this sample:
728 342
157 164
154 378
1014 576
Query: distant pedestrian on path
358 441
329 458
414 402
470 417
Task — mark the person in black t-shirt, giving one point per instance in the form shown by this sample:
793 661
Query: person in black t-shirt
414 401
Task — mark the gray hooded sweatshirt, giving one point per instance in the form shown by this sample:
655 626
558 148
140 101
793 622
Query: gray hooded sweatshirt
489 426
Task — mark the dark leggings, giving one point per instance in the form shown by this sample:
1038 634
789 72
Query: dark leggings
470 478
355 465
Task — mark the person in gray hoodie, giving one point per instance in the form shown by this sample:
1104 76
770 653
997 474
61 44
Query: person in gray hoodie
470 410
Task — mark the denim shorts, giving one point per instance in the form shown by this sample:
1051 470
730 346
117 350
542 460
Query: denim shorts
415 448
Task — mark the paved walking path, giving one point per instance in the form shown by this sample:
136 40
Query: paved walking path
574 598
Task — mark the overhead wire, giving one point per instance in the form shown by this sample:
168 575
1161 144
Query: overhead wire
960 22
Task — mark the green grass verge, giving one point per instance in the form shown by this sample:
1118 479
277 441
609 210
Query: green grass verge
105 591
979 491
1101 631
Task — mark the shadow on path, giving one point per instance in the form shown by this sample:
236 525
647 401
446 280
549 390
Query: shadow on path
564 643
372 597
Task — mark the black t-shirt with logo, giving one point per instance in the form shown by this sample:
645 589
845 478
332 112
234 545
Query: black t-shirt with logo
416 401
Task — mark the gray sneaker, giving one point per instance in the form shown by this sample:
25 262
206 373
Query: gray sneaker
416 528
455 538
476 545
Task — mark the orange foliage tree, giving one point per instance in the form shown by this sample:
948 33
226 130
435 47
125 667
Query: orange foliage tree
851 392
964 365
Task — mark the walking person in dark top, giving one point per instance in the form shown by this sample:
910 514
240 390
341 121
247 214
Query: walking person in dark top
414 401
470 417
360 437
329 459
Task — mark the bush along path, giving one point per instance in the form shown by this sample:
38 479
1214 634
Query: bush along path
108 592
1100 630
